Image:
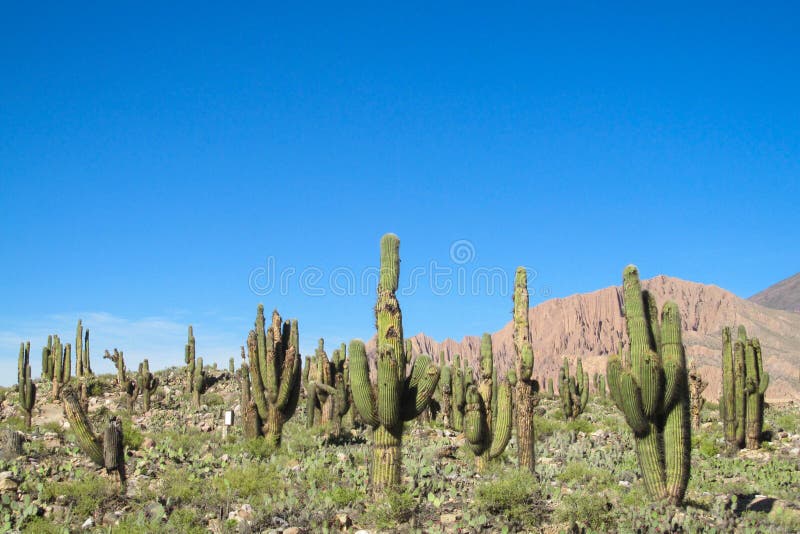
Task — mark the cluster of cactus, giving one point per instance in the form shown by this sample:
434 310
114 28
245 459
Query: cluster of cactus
649 385
696 387
395 397
275 375
83 366
573 390
744 383
488 418
319 380
599 381
106 451
25 386
526 387
57 364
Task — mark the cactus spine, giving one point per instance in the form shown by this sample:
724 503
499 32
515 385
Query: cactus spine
395 397
573 390
650 388
26 387
696 387
275 369
488 414
526 389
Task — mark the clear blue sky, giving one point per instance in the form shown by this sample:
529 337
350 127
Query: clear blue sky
155 157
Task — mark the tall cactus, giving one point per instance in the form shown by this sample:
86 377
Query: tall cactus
650 387
446 390
62 366
321 387
573 390
756 384
83 367
696 387
199 382
47 359
739 384
190 359
527 389
26 387
275 369
395 397
118 359
459 394
147 383
727 404
488 418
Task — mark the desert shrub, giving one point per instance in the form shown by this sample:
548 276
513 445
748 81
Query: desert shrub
581 474
788 422
345 496
86 493
42 525
706 444
513 494
251 482
396 508
213 399
132 436
585 510
581 425
186 521
547 426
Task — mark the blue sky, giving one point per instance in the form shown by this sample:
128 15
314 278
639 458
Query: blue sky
157 160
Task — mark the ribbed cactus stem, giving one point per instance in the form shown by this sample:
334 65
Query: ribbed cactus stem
26 387
149 384
395 397
198 382
650 386
79 350
82 428
696 387
190 359
526 396
727 404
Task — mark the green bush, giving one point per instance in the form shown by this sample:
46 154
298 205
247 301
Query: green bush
514 494
86 492
396 508
586 511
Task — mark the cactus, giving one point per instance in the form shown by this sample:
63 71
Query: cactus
25 386
756 383
650 387
743 385
322 387
573 390
551 394
147 383
106 452
601 386
488 416
396 397
459 394
132 389
118 359
526 394
62 366
47 359
190 359
199 382
275 369
83 367
445 386
696 387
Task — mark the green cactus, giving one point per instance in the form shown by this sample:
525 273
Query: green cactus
118 359
396 397
756 383
199 382
488 415
47 360
231 366
62 366
83 366
696 387
25 386
650 388
743 385
573 390
190 359
459 394
601 386
445 386
275 372
526 389
147 383
551 394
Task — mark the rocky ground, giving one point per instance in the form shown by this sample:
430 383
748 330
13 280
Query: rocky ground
184 476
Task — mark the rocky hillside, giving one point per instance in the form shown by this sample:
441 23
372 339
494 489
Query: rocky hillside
591 326
785 295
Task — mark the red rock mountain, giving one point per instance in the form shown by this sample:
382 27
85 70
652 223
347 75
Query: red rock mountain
591 326
785 295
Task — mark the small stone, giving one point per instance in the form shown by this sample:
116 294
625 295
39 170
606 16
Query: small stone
448 519
109 519
292 530
148 443
245 513
343 520
624 483
89 523
7 482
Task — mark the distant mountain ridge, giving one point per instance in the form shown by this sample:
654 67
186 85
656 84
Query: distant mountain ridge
591 325
785 295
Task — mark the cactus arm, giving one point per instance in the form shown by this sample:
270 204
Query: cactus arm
418 396
363 396
82 428
631 404
255 376
389 387
287 373
475 421
503 422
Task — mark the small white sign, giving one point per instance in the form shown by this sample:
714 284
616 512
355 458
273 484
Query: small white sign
229 418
